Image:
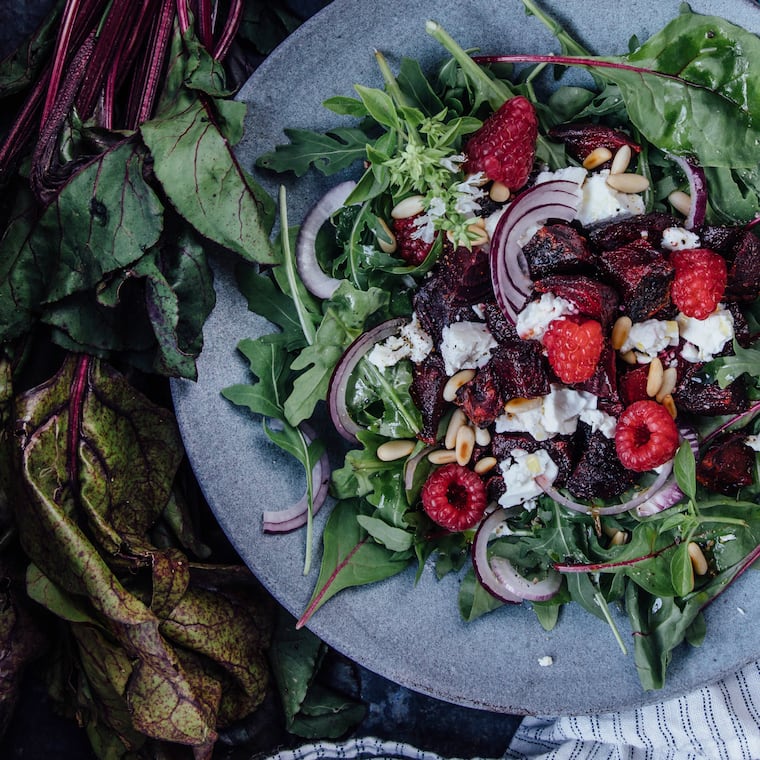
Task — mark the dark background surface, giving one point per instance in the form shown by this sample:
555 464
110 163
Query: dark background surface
393 712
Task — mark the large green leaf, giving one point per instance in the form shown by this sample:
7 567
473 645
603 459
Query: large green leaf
200 174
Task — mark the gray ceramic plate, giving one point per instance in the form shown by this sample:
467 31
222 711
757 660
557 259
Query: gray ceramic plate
411 633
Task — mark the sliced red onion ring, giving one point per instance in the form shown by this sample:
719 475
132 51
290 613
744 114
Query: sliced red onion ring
556 199
410 468
336 394
314 279
695 174
670 493
614 509
285 520
499 576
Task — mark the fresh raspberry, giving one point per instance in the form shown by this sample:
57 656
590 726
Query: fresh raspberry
700 281
574 346
646 436
411 248
505 145
454 497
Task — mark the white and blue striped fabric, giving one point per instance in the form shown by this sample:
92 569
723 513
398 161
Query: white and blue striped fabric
717 722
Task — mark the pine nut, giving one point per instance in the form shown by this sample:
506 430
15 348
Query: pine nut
697 557
499 192
669 380
621 161
628 183
620 332
465 444
455 382
458 419
670 405
484 465
442 456
680 201
629 357
480 233
596 158
619 538
408 207
482 436
393 450
654 377
518 405
386 240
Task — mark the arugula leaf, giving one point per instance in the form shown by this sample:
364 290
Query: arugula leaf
345 317
726 369
329 153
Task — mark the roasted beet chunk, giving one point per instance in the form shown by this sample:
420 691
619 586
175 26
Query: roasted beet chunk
465 275
744 269
481 398
608 236
557 249
632 383
603 383
727 464
500 327
520 369
592 298
741 249
598 473
436 307
695 395
427 393
581 138
642 276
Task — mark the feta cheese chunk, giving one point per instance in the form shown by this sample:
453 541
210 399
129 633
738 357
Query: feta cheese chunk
596 419
534 319
412 342
520 470
679 239
705 337
600 202
753 441
466 345
649 337
554 414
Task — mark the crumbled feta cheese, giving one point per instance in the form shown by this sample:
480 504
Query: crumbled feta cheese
520 470
599 420
575 174
705 337
657 605
466 345
679 239
547 416
753 441
546 661
600 202
649 337
534 319
412 342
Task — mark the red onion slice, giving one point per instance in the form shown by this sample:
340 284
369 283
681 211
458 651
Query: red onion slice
695 174
314 279
499 576
556 199
614 509
670 493
285 520
336 394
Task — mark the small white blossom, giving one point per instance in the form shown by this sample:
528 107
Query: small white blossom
452 163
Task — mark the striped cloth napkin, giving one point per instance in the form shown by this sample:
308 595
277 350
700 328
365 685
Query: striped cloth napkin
717 722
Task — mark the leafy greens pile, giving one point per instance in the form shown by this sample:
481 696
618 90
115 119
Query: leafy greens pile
401 132
119 181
